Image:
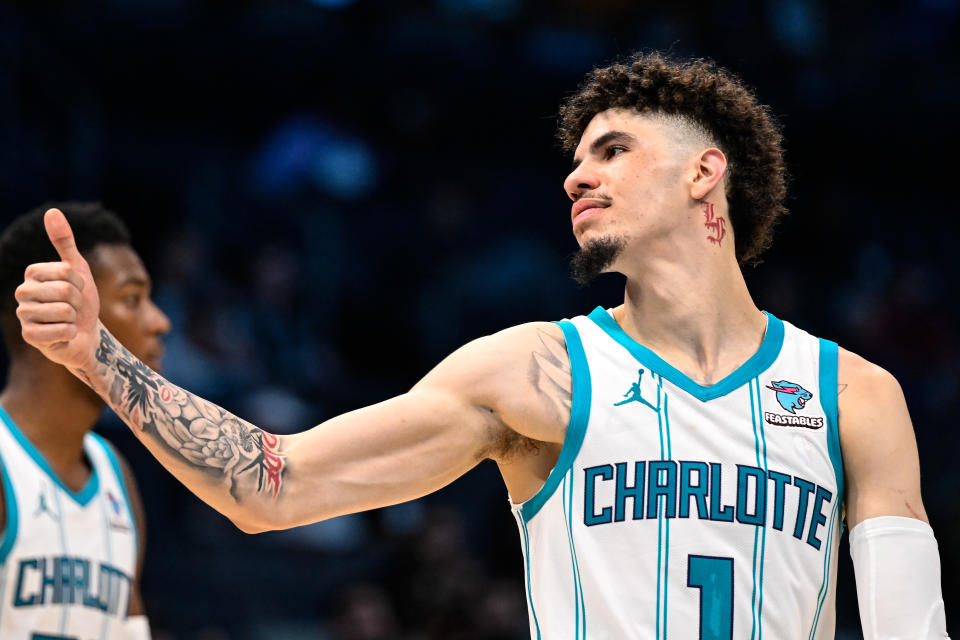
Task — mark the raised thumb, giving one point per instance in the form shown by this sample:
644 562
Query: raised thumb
61 235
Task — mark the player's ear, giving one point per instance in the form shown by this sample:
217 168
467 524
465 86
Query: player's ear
707 172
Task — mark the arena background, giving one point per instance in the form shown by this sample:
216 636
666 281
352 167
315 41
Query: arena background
332 195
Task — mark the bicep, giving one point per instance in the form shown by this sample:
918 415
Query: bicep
383 454
878 442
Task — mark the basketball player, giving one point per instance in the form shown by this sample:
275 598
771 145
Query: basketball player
679 466
73 527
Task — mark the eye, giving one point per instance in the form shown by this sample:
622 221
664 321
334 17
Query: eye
613 150
132 300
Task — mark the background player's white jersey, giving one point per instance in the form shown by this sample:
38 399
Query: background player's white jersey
67 559
682 511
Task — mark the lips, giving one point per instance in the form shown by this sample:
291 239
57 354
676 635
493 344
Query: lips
586 208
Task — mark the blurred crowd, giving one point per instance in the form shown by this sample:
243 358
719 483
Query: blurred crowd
331 195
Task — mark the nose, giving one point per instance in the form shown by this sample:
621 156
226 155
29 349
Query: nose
581 180
159 321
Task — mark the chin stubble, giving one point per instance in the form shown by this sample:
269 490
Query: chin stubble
594 258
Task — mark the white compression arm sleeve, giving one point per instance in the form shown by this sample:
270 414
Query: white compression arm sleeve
897 566
137 628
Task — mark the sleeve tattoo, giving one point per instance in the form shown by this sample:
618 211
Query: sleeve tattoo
202 434
551 373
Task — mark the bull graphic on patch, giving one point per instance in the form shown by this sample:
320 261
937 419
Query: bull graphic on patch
790 395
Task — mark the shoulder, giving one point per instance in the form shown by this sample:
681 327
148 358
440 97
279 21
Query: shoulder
488 363
864 386
520 374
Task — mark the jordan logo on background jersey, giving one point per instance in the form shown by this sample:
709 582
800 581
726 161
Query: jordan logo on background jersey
44 507
634 394
792 397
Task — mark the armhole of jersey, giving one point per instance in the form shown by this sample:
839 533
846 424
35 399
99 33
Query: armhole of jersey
828 400
118 472
577 427
12 513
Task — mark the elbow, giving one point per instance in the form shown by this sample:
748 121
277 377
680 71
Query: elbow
269 522
252 527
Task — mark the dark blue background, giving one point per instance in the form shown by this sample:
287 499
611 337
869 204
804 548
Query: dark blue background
333 195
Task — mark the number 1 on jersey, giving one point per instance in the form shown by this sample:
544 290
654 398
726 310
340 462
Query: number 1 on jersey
714 577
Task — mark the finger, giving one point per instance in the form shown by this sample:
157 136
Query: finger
55 291
51 312
49 271
61 235
42 335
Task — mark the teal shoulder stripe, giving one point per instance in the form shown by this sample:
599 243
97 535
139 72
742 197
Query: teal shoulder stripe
828 400
82 497
115 464
757 364
13 522
576 429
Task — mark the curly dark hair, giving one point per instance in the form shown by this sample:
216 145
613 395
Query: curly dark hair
714 99
25 241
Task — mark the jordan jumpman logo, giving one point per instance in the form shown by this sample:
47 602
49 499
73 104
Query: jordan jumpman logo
635 394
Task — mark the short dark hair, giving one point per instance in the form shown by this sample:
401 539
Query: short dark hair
25 241
713 98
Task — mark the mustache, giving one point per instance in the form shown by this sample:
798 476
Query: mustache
595 196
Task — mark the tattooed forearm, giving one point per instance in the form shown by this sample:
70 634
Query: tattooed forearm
202 434
551 375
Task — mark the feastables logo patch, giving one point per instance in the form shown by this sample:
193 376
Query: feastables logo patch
792 397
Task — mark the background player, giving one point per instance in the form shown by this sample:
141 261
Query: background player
73 525
655 199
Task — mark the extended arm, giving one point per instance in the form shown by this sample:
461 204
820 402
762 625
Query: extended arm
895 555
474 405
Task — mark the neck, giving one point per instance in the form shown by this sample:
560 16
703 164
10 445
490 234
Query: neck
52 408
694 313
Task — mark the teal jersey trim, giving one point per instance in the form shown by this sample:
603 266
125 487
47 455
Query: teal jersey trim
666 553
13 522
758 362
663 522
577 427
759 435
115 465
828 400
526 557
825 583
580 614
766 470
82 497
12 527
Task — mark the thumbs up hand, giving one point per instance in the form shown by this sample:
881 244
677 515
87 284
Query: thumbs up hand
58 304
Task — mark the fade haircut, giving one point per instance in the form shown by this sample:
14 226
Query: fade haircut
25 242
711 100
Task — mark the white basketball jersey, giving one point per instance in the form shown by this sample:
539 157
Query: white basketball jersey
67 559
684 511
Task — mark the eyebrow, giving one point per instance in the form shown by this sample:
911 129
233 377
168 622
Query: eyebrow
604 140
134 280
